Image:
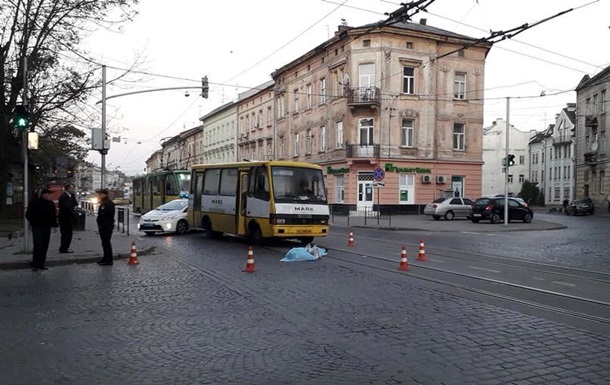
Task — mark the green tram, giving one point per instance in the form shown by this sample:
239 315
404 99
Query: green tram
154 189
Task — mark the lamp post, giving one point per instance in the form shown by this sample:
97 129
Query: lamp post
506 165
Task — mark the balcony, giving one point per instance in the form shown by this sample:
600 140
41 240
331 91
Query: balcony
363 97
591 121
362 151
591 158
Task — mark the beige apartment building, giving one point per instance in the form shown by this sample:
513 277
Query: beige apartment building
219 143
393 113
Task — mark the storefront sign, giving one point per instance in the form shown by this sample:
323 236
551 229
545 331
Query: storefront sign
330 170
389 167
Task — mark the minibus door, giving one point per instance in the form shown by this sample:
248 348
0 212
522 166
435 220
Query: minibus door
242 203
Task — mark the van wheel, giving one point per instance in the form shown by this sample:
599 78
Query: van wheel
209 232
255 235
306 240
182 227
495 219
449 215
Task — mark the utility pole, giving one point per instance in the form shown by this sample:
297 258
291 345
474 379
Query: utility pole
104 150
26 177
506 165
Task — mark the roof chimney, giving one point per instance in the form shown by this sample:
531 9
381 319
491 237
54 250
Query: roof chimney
423 21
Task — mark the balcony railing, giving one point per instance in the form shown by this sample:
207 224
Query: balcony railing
590 157
364 96
362 151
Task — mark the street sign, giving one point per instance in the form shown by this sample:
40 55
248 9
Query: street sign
378 174
378 184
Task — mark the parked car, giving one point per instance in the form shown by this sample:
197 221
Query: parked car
167 218
449 208
580 206
492 209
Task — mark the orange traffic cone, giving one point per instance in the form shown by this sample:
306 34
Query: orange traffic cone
133 256
421 256
403 260
250 262
350 242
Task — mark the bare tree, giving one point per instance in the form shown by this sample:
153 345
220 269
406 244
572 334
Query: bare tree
61 76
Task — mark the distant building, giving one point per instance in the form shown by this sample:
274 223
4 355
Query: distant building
494 151
592 128
552 158
219 135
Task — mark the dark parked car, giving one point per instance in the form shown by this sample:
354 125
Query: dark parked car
580 206
492 209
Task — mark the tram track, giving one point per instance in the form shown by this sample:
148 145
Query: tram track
529 296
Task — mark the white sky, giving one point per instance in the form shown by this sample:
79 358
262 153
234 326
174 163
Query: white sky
239 43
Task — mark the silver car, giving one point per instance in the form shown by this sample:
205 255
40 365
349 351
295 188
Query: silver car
449 208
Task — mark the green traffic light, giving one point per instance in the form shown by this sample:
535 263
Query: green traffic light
22 123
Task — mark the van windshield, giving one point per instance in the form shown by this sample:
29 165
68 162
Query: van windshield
295 184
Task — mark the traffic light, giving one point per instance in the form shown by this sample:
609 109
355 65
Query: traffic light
204 87
21 117
511 160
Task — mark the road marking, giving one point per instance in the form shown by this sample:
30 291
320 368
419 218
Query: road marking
564 283
539 279
482 268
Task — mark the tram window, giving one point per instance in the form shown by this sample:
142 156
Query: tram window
154 185
171 187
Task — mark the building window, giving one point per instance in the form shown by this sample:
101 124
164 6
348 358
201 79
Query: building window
408 80
366 132
323 91
510 178
602 182
595 111
296 144
296 101
309 96
279 102
604 101
308 143
339 135
366 42
556 196
322 140
339 188
269 116
602 142
280 149
458 136
406 133
406 184
459 86
521 178
409 45
521 159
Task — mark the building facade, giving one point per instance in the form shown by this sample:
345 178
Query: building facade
494 152
394 114
256 125
592 127
219 143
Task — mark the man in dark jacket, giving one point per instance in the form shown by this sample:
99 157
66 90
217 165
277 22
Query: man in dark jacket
41 215
105 225
67 204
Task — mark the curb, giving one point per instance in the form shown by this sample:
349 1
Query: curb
71 261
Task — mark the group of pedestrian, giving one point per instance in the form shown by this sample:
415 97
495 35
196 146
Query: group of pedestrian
43 216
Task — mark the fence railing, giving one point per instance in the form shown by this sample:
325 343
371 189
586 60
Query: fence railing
122 222
355 215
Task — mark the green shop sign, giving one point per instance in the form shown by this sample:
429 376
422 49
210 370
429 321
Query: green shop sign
330 170
389 167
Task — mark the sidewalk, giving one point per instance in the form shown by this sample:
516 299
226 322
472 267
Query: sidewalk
86 244
420 222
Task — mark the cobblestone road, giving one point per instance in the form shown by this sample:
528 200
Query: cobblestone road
198 318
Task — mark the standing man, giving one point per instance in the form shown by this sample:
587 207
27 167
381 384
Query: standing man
105 225
41 215
67 204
